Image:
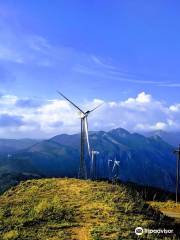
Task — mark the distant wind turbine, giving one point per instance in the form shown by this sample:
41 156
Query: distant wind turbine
109 168
84 133
94 165
177 152
109 161
116 166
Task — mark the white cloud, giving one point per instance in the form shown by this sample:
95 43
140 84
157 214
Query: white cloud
140 102
8 100
153 127
140 99
55 116
175 108
143 98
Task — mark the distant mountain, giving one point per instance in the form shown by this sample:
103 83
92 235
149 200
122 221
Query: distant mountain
8 146
46 158
173 138
144 160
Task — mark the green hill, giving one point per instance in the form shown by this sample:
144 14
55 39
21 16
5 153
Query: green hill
55 209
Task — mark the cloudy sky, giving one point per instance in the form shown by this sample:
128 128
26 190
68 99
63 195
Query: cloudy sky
124 54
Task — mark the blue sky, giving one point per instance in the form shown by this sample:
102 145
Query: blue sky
92 51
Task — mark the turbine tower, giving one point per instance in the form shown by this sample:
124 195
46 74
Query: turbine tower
84 134
110 162
177 152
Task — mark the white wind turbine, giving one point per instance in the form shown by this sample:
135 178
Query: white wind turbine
116 166
110 161
84 134
94 164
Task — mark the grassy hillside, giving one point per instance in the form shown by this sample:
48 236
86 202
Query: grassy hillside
55 209
169 208
7 180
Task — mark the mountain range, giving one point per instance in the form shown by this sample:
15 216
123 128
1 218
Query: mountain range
146 160
8 146
173 138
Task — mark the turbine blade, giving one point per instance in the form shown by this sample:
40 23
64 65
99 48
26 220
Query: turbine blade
116 162
96 107
70 102
87 135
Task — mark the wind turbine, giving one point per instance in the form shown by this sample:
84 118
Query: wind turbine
94 165
116 166
109 167
177 152
84 133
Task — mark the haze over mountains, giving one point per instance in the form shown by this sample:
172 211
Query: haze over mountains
144 160
13 145
173 138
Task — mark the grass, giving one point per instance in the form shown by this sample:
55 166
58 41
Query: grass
168 208
165 204
65 209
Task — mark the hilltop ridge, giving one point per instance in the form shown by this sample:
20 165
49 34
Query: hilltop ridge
75 209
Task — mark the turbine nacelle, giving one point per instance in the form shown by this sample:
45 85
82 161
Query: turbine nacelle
95 152
87 113
82 115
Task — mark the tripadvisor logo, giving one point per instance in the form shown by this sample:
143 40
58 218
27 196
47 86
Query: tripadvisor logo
139 231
